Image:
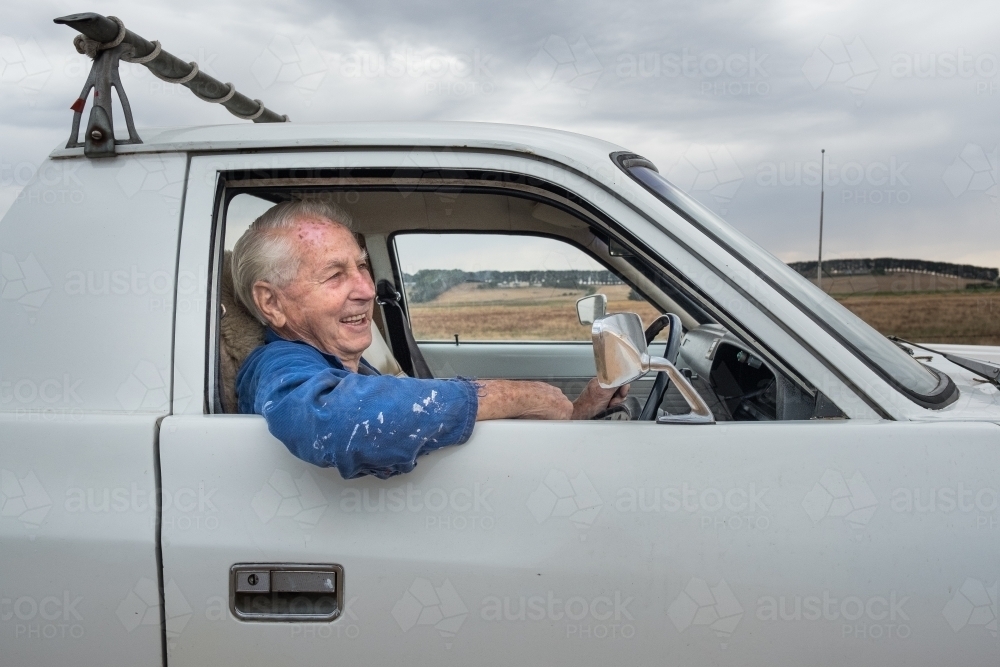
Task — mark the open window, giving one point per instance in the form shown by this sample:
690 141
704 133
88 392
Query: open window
504 287
489 277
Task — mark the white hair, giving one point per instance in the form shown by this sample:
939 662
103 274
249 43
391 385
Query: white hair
261 254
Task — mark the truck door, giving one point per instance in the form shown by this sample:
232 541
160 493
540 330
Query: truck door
582 543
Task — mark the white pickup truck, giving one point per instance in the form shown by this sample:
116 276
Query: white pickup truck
840 505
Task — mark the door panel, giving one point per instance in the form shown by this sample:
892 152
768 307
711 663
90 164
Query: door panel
78 570
581 543
519 361
568 366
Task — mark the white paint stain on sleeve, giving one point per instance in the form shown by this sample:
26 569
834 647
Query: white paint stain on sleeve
352 437
380 420
320 441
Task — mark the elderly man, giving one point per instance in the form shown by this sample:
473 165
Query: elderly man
300 271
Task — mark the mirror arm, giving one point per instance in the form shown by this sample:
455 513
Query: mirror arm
700 413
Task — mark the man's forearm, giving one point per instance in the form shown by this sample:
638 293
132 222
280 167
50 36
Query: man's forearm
512 399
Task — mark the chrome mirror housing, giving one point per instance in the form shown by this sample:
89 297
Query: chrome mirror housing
591 308
621 356
619 349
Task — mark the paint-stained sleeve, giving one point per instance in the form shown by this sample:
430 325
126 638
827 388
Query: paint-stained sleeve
361 424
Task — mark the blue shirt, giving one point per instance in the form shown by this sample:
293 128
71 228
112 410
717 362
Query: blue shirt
361 423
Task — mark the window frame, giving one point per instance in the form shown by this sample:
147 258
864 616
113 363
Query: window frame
277 182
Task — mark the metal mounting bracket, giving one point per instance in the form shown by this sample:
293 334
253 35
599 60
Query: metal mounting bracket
99 139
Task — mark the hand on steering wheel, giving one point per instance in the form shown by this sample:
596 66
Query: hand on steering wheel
594 401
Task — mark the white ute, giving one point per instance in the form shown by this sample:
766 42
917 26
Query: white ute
847 515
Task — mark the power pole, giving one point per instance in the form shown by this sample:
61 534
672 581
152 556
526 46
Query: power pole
822 188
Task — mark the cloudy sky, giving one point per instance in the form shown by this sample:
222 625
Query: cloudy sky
732 100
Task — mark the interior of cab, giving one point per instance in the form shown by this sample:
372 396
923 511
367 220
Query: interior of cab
484 284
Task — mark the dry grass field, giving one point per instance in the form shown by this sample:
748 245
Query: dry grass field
971 318
916 307
895 283
527 313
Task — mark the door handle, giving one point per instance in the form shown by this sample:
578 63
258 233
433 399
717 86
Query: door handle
286 592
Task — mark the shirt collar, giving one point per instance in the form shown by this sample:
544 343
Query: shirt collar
271 337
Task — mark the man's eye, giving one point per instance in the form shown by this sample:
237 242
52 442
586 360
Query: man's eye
363 266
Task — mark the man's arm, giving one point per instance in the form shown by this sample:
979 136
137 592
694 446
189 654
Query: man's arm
375 425
513 399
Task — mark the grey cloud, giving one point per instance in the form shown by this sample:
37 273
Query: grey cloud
764 86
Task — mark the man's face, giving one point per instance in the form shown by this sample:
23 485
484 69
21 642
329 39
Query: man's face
329 302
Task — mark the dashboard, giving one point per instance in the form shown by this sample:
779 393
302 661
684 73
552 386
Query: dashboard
737 384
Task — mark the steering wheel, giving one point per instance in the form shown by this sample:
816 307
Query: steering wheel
670 351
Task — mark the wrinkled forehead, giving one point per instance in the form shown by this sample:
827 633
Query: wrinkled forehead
312 235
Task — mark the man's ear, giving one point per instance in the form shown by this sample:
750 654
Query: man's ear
265 295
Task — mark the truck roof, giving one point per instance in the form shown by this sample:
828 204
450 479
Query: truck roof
558 145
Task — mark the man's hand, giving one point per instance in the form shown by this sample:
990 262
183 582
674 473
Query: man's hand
594 400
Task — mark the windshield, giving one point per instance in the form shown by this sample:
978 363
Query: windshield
885 357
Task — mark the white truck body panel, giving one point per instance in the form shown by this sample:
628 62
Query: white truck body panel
89 258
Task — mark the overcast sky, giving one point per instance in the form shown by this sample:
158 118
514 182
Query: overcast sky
732 100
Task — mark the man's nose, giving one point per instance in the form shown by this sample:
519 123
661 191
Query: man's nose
364 287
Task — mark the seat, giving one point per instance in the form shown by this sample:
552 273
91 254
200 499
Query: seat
240 333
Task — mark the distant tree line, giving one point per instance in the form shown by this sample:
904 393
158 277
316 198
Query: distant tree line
883 265
427 284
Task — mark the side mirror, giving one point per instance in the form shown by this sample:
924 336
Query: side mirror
621 356
591 308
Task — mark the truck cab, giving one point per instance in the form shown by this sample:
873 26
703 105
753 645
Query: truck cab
143 522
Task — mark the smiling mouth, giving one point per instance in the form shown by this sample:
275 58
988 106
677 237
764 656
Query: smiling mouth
356 319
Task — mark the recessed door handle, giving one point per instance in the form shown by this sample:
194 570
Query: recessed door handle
286 591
